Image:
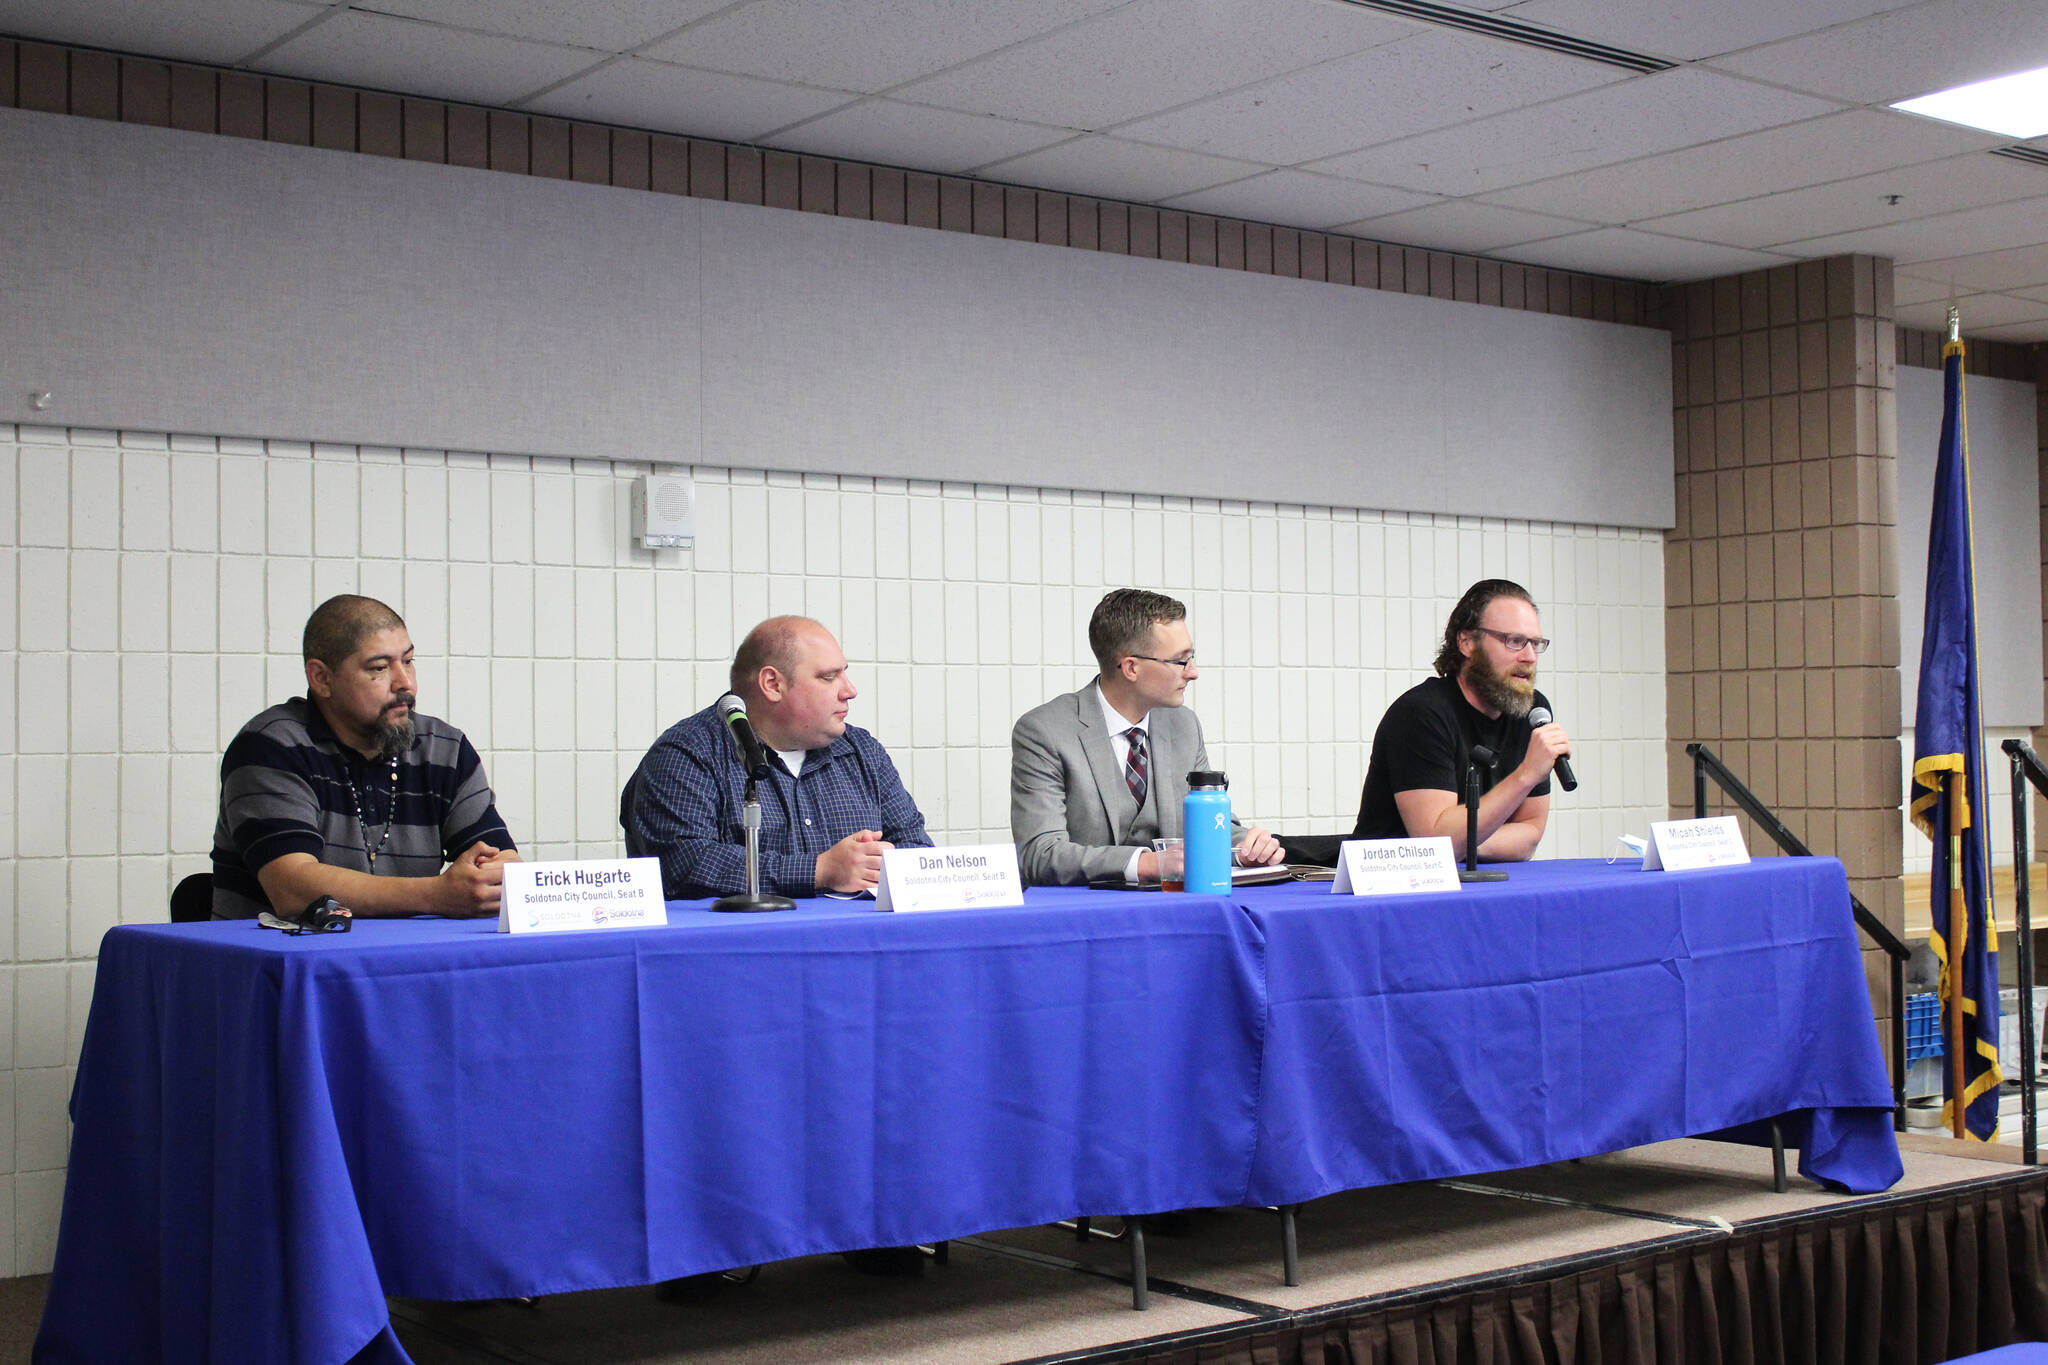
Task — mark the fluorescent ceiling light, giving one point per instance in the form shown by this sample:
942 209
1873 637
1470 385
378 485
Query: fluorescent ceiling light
2013 106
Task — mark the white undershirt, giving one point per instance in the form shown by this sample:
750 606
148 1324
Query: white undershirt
792 759
1115 722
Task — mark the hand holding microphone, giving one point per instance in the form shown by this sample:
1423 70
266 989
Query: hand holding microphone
1538 718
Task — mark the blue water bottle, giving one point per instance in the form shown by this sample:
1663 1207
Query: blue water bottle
1205 816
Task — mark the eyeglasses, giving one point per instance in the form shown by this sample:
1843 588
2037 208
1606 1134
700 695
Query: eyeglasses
1183 664
1516 643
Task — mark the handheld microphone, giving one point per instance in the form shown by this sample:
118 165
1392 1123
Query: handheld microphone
733 712
1540 716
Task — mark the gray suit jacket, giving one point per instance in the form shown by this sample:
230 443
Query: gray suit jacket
1070 811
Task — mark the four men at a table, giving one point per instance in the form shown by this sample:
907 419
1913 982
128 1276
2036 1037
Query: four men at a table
348 792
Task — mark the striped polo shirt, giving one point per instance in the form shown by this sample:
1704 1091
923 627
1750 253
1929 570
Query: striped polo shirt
287 785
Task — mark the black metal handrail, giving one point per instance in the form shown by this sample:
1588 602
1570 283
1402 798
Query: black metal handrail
1705 763
2025 764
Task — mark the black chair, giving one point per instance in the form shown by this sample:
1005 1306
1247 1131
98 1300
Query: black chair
1323 850
192 899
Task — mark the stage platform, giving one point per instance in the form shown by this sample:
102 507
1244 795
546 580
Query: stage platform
1674 1252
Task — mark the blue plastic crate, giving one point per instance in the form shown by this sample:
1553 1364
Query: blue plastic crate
1923 1026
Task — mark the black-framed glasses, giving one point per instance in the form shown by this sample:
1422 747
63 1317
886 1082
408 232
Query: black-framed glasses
1183 664
1516 643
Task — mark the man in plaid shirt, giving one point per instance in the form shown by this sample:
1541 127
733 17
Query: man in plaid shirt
831 805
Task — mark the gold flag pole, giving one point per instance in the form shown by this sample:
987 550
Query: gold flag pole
1958 915
1958 926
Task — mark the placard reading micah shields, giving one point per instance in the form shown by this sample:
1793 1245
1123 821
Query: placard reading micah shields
1681 845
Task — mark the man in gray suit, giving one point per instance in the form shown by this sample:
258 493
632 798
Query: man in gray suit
1097 775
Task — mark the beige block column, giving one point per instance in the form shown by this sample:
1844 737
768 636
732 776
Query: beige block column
1781 575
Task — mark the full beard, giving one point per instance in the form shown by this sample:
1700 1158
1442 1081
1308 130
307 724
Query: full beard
1511 696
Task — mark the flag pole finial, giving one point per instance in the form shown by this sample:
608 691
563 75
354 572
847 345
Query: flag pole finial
1955 325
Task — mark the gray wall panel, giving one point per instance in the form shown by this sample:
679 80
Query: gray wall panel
858 348
175 281
178 281
2006 529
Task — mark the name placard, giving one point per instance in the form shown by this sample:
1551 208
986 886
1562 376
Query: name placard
1394 867
958 878
1681 845
616 893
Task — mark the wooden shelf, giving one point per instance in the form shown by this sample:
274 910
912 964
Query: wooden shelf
1918 923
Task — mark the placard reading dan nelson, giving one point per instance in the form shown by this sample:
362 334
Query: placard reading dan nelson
963 877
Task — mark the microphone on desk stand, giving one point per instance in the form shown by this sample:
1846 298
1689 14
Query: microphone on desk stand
755 760
1538 717
1481 755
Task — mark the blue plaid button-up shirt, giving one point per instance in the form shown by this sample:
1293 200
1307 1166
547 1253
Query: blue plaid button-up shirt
682 806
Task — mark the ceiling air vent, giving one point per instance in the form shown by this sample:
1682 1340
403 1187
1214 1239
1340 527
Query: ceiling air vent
1515 31
2033 154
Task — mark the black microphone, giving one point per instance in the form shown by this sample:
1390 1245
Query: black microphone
1539 716
734 712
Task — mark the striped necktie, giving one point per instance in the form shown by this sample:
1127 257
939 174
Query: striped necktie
1134 764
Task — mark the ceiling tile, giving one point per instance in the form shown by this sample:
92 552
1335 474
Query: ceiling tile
1429 81
2038 293
943 140
1977 310
1639 256
864 45
1950 234
677 99
2025 333
1897 55
1914 289
1463 225
1299 199
1111 168
355 48
1836 147
1945 186
2011 268
615 26
1153 55
1648 114
1689 30
222 31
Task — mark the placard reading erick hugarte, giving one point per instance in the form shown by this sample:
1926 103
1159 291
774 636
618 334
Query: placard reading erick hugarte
957 878
614 893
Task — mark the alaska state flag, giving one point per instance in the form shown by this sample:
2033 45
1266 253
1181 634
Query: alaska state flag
1947 738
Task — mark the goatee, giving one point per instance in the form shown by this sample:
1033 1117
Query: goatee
1508 695
394 737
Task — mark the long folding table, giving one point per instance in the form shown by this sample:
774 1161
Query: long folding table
272 1133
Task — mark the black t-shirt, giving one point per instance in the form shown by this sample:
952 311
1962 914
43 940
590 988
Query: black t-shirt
1425 741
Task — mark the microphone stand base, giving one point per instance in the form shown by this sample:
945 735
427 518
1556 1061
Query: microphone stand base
752 904
1465 874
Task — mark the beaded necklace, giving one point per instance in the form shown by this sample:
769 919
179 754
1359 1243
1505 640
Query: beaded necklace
390 815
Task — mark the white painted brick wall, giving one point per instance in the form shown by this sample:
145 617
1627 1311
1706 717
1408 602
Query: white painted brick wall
153 588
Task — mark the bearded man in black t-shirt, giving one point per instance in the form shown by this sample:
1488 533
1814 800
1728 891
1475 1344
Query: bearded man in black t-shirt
1482 695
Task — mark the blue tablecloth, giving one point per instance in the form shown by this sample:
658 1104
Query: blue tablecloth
1577 1008
274 1133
